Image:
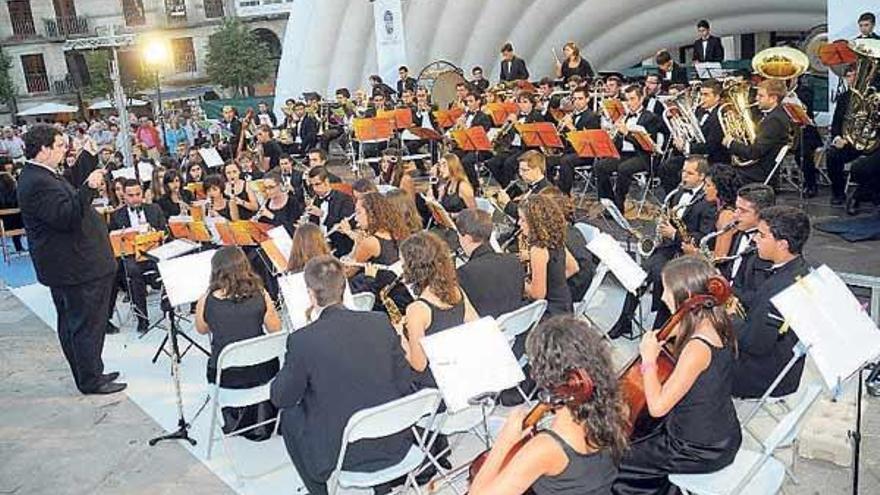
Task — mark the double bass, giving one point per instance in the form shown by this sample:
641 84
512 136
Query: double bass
631 382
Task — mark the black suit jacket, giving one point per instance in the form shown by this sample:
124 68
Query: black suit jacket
517 70
493 282
586 120
308 132
763 351
772 135
419 116
512 208
699 216
153 214
67 239
341 205
653 125
483 120
343 362
679 76
714 50
480 86
753 271
408 83
840 107
711 127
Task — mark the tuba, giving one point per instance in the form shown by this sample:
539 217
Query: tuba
861 123
681 120
783 63
735 115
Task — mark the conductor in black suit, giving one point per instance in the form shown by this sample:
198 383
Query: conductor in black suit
342 362
331 207
707 48
70 250
143 216
513 68
492 281
772 134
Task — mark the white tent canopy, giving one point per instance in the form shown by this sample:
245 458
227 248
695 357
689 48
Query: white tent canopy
107 104
47 108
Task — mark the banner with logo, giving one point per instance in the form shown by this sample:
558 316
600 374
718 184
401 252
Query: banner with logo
390 40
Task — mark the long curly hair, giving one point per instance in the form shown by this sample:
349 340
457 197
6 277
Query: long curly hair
403 202
546 221
382 216
563 200
232 274
563 343
308 242
726 182
427 262
686 276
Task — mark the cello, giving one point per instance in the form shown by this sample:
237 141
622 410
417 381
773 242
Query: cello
631 382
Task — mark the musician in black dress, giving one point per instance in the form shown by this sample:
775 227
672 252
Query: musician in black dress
549 264
684 205
573 64
721 187
513 68
455 192
633 158
237 191
504 165
236 308
331 206
580 119
765 346
216 203
441 304
700 432
576 244
281 207
578 452
707 48
772 134
176 200
493 281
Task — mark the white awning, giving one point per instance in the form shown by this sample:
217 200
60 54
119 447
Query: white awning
107 104
47 109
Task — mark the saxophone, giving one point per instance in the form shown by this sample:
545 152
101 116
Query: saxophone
705 251
388 303
522 243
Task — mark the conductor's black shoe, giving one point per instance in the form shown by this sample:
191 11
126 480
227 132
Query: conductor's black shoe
109 377
107 388
111 329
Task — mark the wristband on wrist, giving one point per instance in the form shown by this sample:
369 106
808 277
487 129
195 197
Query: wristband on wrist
645 367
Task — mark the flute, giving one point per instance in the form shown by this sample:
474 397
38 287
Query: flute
338 224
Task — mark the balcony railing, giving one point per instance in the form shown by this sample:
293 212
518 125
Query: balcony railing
185 64
36 82
63 85
63 27
23 29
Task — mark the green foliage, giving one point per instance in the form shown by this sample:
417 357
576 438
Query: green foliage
236 59
7 87
101 86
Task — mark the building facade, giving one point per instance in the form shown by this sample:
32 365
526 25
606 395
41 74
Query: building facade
33 33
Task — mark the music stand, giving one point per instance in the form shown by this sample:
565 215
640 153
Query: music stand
430 135
183 290
500 111
371 131
592 143
402 117
447 118
472 139
613 109
709 70
539 135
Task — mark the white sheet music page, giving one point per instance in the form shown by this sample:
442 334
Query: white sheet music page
827 317
471 359
211 157
186 278
173 249
627 271
282 240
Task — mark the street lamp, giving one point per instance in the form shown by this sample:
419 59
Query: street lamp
156 55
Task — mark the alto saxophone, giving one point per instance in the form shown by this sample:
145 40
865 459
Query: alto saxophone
388 303
522 243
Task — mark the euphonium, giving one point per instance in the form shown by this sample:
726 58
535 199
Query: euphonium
681 120
783 63
735 115
861 124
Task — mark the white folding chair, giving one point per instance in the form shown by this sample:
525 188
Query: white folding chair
752 472
363 301
243 353
381 421
779 158
485 205
464 422
519 321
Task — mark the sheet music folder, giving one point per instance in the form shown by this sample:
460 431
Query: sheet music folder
376 129
472 139
593 143
539 135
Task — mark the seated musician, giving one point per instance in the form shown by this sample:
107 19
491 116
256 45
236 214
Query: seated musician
697 216
478 83
317 157
461 90
265 116
248 166
765 345
424 114
700 432
493 281
633 158
362 186
670 71
322 383
236 308
216 204
331 206
176 200
195 173
281 208
575 244
578 452
721 186
652 101
237 191
841 151
401 201
303 129
389 170
772 134
710 126
143 216
549 264
580 119
746 269
292 179
503 165
271 150
532 167
455 192
440 303
474 116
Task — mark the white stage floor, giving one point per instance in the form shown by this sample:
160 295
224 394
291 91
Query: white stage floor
150 387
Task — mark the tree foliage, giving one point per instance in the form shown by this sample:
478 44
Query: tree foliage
134 80
236 59
7 86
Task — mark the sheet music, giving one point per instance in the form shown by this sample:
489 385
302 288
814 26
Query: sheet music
282 241
471 359
173 249
211 157
627 271
618 217
145 170
827 317
186 278
708 70
296 298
